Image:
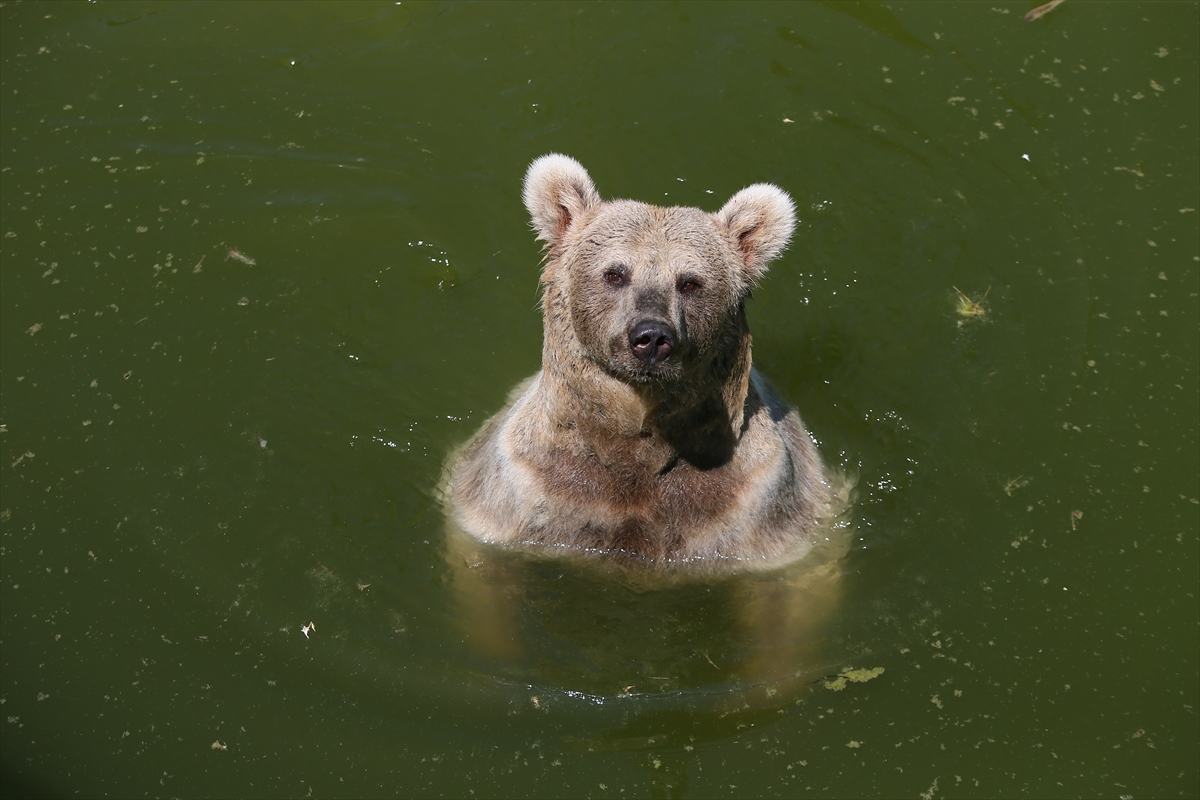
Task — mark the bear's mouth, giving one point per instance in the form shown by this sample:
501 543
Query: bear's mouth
663 372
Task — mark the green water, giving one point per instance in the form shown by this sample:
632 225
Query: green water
200 456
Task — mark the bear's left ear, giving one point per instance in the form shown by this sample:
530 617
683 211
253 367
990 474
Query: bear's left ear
760 220
557 191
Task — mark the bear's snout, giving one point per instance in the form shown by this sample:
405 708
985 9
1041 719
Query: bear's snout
651 341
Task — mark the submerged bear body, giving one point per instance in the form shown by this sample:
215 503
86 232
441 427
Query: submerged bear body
647 435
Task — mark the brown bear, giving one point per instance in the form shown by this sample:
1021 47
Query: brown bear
648 436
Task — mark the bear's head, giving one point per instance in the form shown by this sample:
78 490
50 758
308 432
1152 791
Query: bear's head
648 293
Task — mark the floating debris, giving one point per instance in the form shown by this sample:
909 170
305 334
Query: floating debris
306 629
1013 484
1043 10
238 255
840 681
218 746
971 308
1075 515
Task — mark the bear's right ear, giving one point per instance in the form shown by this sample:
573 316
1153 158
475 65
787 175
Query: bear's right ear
557 191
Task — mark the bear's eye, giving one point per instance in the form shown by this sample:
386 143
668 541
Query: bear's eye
689 286
615 277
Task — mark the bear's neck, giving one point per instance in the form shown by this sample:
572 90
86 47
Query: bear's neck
698 418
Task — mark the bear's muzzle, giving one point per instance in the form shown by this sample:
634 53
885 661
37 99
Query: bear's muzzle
651 341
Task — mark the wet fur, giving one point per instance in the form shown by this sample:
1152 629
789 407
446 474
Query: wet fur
692 461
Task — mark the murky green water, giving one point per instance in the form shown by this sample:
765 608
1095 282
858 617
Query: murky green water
202 455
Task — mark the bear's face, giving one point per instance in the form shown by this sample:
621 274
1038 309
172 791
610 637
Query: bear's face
648 288
649 291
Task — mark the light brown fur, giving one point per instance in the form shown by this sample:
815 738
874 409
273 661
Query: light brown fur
690 460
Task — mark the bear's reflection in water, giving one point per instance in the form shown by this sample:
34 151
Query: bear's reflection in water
589 623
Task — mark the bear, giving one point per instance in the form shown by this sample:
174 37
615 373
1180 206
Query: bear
648 438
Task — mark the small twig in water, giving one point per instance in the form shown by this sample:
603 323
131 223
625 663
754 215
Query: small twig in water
1036 13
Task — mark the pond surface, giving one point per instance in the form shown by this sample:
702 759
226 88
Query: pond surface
264 266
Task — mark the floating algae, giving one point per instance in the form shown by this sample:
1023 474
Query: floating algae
839 682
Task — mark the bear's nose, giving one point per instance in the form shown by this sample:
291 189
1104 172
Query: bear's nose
651 342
